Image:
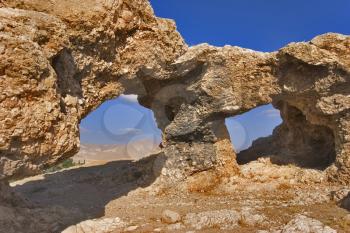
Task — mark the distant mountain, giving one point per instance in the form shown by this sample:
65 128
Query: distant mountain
134 150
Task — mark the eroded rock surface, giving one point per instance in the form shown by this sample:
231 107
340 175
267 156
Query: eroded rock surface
308 82
314 105
211 84
62 59
97 226
301 224
59 60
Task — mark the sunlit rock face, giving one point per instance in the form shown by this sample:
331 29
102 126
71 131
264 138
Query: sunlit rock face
308 82
59 60
209 85
315 79
314 103
62 59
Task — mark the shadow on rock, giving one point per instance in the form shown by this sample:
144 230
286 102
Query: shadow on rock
345 203
71 196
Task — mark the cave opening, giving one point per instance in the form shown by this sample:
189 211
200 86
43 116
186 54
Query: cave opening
119 129
290 139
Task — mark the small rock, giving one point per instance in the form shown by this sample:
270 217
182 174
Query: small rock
127 15
339 194
170 217
96 225
131 228
303 224
176 226
71 100
346 219
249 218
226 218
2 47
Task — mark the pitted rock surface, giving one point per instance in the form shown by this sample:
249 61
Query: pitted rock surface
62 59
59 60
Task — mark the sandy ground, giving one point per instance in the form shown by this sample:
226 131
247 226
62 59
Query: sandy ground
121 189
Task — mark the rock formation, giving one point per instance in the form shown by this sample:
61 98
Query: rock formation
314 105
210 84
308 82
61 59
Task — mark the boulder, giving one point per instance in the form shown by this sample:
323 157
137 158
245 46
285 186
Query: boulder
303 224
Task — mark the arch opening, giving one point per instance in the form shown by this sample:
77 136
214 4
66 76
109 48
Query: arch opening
245 128
119 129
286 137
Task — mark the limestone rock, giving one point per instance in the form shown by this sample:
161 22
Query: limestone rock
340 194
346 219
225 218
97 226
175 227
170 217
250 218
303 224
314 83
131 228
308 82
62 59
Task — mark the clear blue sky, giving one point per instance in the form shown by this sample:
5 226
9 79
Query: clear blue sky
263 25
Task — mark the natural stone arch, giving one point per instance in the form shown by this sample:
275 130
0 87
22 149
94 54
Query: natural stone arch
49 81
215 83
206 92
66 66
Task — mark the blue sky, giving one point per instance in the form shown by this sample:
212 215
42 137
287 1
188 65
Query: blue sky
263 25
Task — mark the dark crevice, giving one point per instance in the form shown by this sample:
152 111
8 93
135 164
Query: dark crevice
66 70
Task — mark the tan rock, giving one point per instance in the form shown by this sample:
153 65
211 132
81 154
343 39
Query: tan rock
303 224
170 217
97 226
61 59
54 82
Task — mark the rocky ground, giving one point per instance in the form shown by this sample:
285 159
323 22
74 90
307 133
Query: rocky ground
118 197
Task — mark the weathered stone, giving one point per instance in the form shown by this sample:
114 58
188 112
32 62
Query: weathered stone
170 217
314 129
340 194
97 226
61 59
228 219
63 66
303 224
